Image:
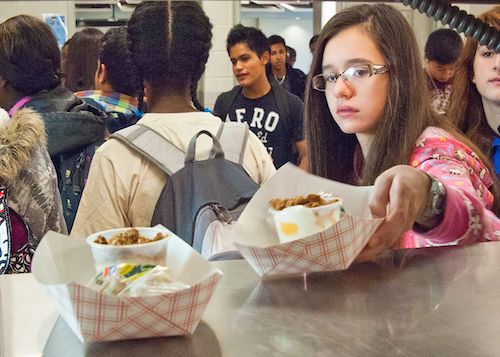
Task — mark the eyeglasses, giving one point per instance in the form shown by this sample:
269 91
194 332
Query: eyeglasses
351 75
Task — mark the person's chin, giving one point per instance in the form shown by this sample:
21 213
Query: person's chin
241 79
245 82
445 83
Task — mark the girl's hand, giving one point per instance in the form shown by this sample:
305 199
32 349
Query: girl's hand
400 194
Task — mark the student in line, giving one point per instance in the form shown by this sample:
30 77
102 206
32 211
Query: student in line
170 43
475 100
280 72
273 114
366 126
442 50
30 65
28 178
118 86
80 59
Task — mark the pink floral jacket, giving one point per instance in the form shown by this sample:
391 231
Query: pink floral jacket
467 218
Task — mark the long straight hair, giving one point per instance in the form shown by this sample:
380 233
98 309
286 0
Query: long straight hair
466 106
80 62
407 112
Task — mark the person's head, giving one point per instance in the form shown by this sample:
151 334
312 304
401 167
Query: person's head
291 55
375 49
312 43
29 59
278 53
81 59
170 43
475 86
64 54
116 71
442 50
248 50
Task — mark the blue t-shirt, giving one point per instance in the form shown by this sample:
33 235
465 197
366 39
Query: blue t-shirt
496 154
278 135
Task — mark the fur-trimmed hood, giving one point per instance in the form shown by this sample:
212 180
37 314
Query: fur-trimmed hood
19 136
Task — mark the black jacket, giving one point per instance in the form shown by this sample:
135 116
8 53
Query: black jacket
71 124
297 79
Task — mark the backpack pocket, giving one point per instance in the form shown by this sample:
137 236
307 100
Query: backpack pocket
212 229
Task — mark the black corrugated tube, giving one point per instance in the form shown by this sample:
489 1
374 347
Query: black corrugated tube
459 20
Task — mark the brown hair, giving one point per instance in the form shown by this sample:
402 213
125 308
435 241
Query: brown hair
466 108
29 56
81 59
407 113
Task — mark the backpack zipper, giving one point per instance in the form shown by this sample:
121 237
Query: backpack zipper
222 213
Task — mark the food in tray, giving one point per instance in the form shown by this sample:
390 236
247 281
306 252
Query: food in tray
311 200
139 245
131 236
303 216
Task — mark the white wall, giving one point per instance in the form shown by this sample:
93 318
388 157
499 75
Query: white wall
218 75
37 8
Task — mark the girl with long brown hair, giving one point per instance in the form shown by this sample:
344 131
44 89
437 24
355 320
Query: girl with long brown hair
369 122
475 99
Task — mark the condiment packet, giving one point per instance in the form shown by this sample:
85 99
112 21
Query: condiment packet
135 280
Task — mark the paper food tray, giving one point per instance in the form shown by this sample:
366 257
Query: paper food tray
332 249
64 265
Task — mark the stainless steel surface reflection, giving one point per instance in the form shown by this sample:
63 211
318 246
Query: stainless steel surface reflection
441 301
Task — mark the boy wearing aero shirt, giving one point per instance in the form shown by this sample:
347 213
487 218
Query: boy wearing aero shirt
272 113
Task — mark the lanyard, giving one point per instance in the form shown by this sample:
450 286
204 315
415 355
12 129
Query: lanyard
18 105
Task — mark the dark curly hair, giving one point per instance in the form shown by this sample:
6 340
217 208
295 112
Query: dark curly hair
170 42
29 56
120 68
254 38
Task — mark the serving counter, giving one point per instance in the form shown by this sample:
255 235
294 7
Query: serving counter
440 301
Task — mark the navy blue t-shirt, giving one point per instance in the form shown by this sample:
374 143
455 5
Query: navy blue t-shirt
278 135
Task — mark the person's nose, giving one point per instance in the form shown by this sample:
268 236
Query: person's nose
237 66
449 75
497 62
342 89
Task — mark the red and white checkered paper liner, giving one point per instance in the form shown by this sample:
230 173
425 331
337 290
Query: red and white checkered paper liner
333 249
100 317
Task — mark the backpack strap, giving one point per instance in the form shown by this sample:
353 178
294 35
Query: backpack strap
233 138
161 152
280 96
226 100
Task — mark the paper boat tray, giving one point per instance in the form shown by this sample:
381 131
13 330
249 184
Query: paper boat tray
333 249
64 265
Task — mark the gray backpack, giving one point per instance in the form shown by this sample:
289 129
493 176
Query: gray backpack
198 194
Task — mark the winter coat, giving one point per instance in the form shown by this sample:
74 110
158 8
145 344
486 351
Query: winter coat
27 172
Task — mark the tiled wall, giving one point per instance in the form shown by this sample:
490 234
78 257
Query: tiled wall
218 76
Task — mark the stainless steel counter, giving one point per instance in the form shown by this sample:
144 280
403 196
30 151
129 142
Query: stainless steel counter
439 302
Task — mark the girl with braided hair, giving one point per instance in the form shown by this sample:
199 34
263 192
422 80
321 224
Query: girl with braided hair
169 44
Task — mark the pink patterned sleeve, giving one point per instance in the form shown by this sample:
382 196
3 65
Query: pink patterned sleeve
467 217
